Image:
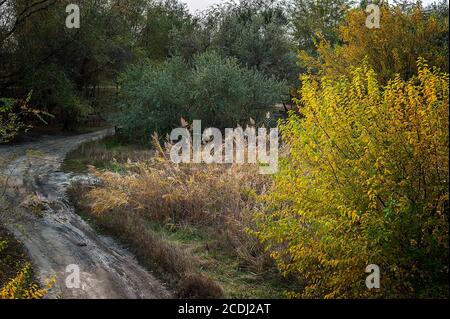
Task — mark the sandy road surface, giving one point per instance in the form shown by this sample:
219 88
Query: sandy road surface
60 237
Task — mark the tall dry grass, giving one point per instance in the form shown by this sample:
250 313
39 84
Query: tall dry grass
218 198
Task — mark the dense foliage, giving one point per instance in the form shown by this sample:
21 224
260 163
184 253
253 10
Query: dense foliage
365 179
256 33
213 89
65 72
404 36
365 182
315 20
14 116
260 34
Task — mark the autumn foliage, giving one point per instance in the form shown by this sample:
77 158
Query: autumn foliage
393 48
20 286
366 182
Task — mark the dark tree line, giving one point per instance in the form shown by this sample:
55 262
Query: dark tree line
63 67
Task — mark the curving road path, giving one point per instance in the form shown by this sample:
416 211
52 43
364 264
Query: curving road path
57 237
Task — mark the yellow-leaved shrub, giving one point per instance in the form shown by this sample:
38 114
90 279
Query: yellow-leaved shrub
365 182
393 48
22 287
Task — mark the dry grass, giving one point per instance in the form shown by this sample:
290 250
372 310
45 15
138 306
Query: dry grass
169 261
221 197
188 222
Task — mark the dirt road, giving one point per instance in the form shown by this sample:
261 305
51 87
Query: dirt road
42 218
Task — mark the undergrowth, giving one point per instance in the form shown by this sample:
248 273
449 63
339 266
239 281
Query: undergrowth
187 223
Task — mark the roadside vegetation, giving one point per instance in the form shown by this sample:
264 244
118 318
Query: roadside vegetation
16 275
187 222
365 182
17 280
363 175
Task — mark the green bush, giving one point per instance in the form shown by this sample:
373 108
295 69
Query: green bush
153 98
213 89
16 115
10 122
225 94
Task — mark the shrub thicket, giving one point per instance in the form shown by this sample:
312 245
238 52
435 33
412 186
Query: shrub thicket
366 182
213 89
404 36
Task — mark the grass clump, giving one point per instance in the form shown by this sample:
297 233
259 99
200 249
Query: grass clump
188 223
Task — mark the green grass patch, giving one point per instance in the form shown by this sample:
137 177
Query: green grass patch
109 153
226 269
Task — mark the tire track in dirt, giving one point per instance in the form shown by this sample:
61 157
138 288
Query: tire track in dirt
57 236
